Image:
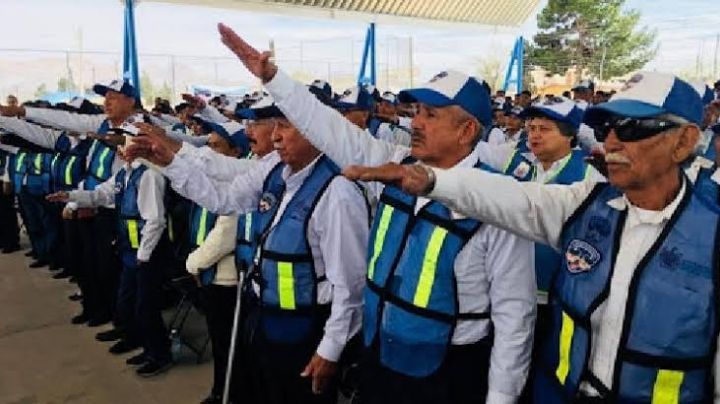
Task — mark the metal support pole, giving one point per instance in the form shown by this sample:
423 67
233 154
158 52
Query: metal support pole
715 61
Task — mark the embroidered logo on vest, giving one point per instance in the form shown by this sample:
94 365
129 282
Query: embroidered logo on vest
670 258
581 256
267 202
521 170
598 229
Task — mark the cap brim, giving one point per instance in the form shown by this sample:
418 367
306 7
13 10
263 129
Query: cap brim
425 96
625 108
543 112
100 89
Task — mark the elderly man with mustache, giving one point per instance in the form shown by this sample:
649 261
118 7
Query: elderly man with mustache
439 284
635 304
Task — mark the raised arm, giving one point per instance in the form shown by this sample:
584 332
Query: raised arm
65 120
43 137
324 127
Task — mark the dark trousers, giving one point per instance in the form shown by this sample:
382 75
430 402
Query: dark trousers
102 261
542 327
53 233
77 252
139 308
34 217
275 367
461 379
218 302
9 230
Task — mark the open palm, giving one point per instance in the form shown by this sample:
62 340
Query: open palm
258 63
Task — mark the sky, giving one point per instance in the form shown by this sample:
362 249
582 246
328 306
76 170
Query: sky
331 49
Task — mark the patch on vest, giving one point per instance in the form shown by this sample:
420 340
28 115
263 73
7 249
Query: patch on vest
580 256
670 258
522 170
267 202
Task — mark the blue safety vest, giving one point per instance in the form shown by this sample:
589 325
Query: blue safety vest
18 168
68 164
706 189
101 160
202 222
286 270
573 168
246 240
670 330
411 303
38 173
130 223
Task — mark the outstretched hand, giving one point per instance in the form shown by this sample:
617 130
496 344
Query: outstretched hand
321 370
151 150
412 178
258 63
61 196
197 102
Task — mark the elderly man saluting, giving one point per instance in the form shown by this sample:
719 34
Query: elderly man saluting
635 316
439 284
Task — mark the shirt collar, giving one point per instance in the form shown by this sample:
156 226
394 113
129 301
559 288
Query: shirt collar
649 216
295 179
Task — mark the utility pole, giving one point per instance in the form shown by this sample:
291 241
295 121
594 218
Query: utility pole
172 77
715 62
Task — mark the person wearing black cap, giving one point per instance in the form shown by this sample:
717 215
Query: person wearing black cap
583 93
436 284
635 302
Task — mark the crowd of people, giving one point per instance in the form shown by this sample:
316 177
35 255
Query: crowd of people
440 245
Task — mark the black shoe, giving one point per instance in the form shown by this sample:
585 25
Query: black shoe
154 367
11 249
30 253
80 319
72 279
55 267
109 335
62 275
212 399
123 346
77 296
97 322
39 264
138 360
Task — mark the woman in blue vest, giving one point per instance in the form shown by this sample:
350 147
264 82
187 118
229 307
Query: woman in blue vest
635 303
212 261
307 282
138 194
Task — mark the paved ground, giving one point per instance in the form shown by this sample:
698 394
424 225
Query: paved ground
45 359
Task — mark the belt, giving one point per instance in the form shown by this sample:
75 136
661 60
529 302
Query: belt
85 213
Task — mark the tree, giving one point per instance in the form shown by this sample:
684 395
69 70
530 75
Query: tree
64 84
597 37
490 70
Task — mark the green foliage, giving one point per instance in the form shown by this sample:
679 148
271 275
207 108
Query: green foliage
578 33
40 90
64 84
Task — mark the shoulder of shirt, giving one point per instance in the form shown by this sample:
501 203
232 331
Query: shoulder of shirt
342 188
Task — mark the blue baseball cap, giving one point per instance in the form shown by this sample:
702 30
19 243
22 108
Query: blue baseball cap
119 86
355 98
648 95
706 93
323 86
558 109
454 88
263 108
232 132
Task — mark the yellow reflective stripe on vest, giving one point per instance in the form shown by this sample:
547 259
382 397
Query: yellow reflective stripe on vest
68 170
133 234
248 226
380 237
429 266
19 162
38 164
667 387
566 335
588 169
200 238
509 161
54 161
286 286
101 166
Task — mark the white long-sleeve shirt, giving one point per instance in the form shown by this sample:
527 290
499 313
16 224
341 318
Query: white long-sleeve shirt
218 248
539 212
337 234
150 201
43 137
217 166
494 270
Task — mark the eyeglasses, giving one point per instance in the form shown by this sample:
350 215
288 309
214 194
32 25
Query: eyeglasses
632 129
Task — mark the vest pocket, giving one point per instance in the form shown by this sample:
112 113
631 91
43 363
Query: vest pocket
412 344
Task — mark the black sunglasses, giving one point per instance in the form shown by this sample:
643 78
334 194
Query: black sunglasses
632 129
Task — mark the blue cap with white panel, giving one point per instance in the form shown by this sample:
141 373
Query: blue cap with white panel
454 88
119 86
355 98
648 95
559 109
